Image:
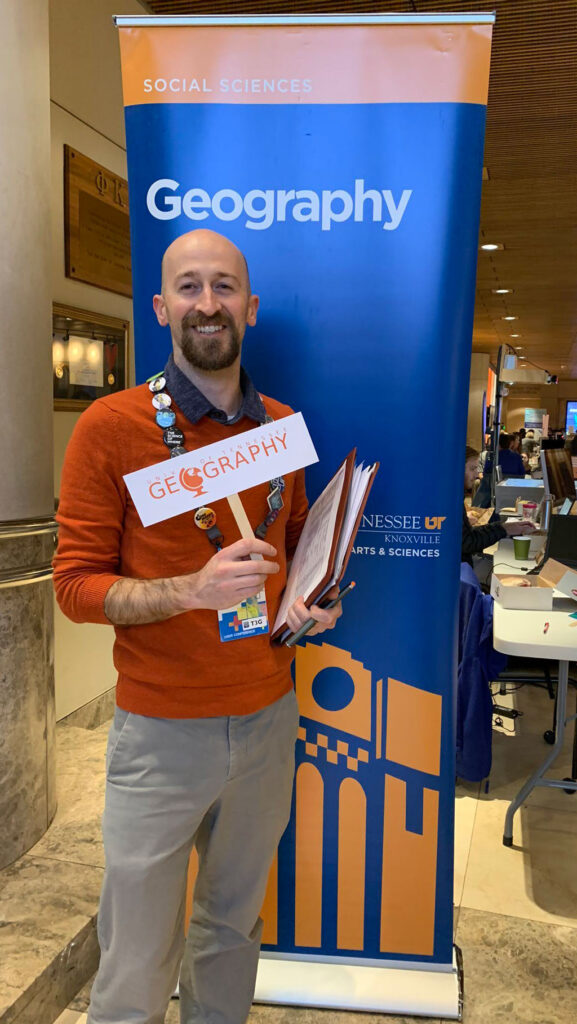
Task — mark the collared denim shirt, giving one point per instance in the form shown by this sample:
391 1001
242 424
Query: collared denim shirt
195 405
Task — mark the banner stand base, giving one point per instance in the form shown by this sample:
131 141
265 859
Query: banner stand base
422 991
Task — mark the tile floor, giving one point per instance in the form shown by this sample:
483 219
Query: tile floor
516 909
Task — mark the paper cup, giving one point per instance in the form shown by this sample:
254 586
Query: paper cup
521 546
529 509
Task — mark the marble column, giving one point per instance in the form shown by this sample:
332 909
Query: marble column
27 795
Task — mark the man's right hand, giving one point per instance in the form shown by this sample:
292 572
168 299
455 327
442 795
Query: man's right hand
230 576
519 528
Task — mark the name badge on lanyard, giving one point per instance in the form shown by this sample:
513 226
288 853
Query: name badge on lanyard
249 618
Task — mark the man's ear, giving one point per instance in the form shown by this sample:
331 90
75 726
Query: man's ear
253 304
159 307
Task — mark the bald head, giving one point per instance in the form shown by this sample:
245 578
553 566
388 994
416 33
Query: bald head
198 247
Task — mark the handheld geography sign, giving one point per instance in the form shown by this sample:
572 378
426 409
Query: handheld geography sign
220 470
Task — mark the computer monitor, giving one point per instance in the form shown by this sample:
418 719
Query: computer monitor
558 473
552 442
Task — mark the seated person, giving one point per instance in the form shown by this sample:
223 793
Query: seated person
529 444
510 460
517 446
476 538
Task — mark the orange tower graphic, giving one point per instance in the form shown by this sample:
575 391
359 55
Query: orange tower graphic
353 750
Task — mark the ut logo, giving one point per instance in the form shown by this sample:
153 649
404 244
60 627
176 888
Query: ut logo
434 522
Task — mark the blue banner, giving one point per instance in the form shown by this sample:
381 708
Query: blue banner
359 219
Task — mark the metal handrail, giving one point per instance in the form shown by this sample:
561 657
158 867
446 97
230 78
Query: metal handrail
28 527
22 577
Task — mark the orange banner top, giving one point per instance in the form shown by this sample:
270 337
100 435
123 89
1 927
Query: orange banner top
438 63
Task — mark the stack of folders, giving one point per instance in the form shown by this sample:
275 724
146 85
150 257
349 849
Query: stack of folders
325 545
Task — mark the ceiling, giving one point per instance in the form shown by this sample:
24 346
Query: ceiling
530 198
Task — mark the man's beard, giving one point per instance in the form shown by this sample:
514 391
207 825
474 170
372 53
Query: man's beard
213 351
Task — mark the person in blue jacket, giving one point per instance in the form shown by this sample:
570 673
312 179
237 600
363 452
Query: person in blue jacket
509 460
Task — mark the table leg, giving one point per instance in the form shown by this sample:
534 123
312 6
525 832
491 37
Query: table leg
574 759
537 776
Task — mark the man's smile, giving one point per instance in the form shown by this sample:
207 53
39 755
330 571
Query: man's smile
212 329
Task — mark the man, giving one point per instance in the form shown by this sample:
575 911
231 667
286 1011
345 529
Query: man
202 745
474 539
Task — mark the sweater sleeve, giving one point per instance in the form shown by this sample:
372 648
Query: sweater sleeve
476 538
90 517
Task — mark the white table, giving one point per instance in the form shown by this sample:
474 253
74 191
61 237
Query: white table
521 633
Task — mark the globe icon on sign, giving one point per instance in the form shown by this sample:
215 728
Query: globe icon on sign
191 479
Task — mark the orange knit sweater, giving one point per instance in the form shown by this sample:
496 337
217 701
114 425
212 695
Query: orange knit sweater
177 668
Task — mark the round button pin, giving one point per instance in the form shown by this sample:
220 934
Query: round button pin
165 417
204 518
179 450
162 401
172 436
157 384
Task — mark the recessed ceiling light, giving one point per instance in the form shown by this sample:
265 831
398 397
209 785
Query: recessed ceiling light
515 335
518 348
509 318
491 246
522 357
502 291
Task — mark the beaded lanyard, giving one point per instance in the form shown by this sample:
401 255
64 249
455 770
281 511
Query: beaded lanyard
173 438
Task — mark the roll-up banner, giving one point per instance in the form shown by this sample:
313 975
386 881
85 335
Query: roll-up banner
343 155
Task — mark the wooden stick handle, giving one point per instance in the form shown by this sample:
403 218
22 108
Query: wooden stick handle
241 518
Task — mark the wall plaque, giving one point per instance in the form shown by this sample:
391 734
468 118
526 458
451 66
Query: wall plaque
97 234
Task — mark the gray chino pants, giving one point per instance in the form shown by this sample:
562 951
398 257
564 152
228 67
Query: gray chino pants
224 784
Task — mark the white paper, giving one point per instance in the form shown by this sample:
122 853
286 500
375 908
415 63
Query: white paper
207 474
361 479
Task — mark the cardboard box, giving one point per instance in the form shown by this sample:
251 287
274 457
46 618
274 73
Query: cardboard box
561 577
538 595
